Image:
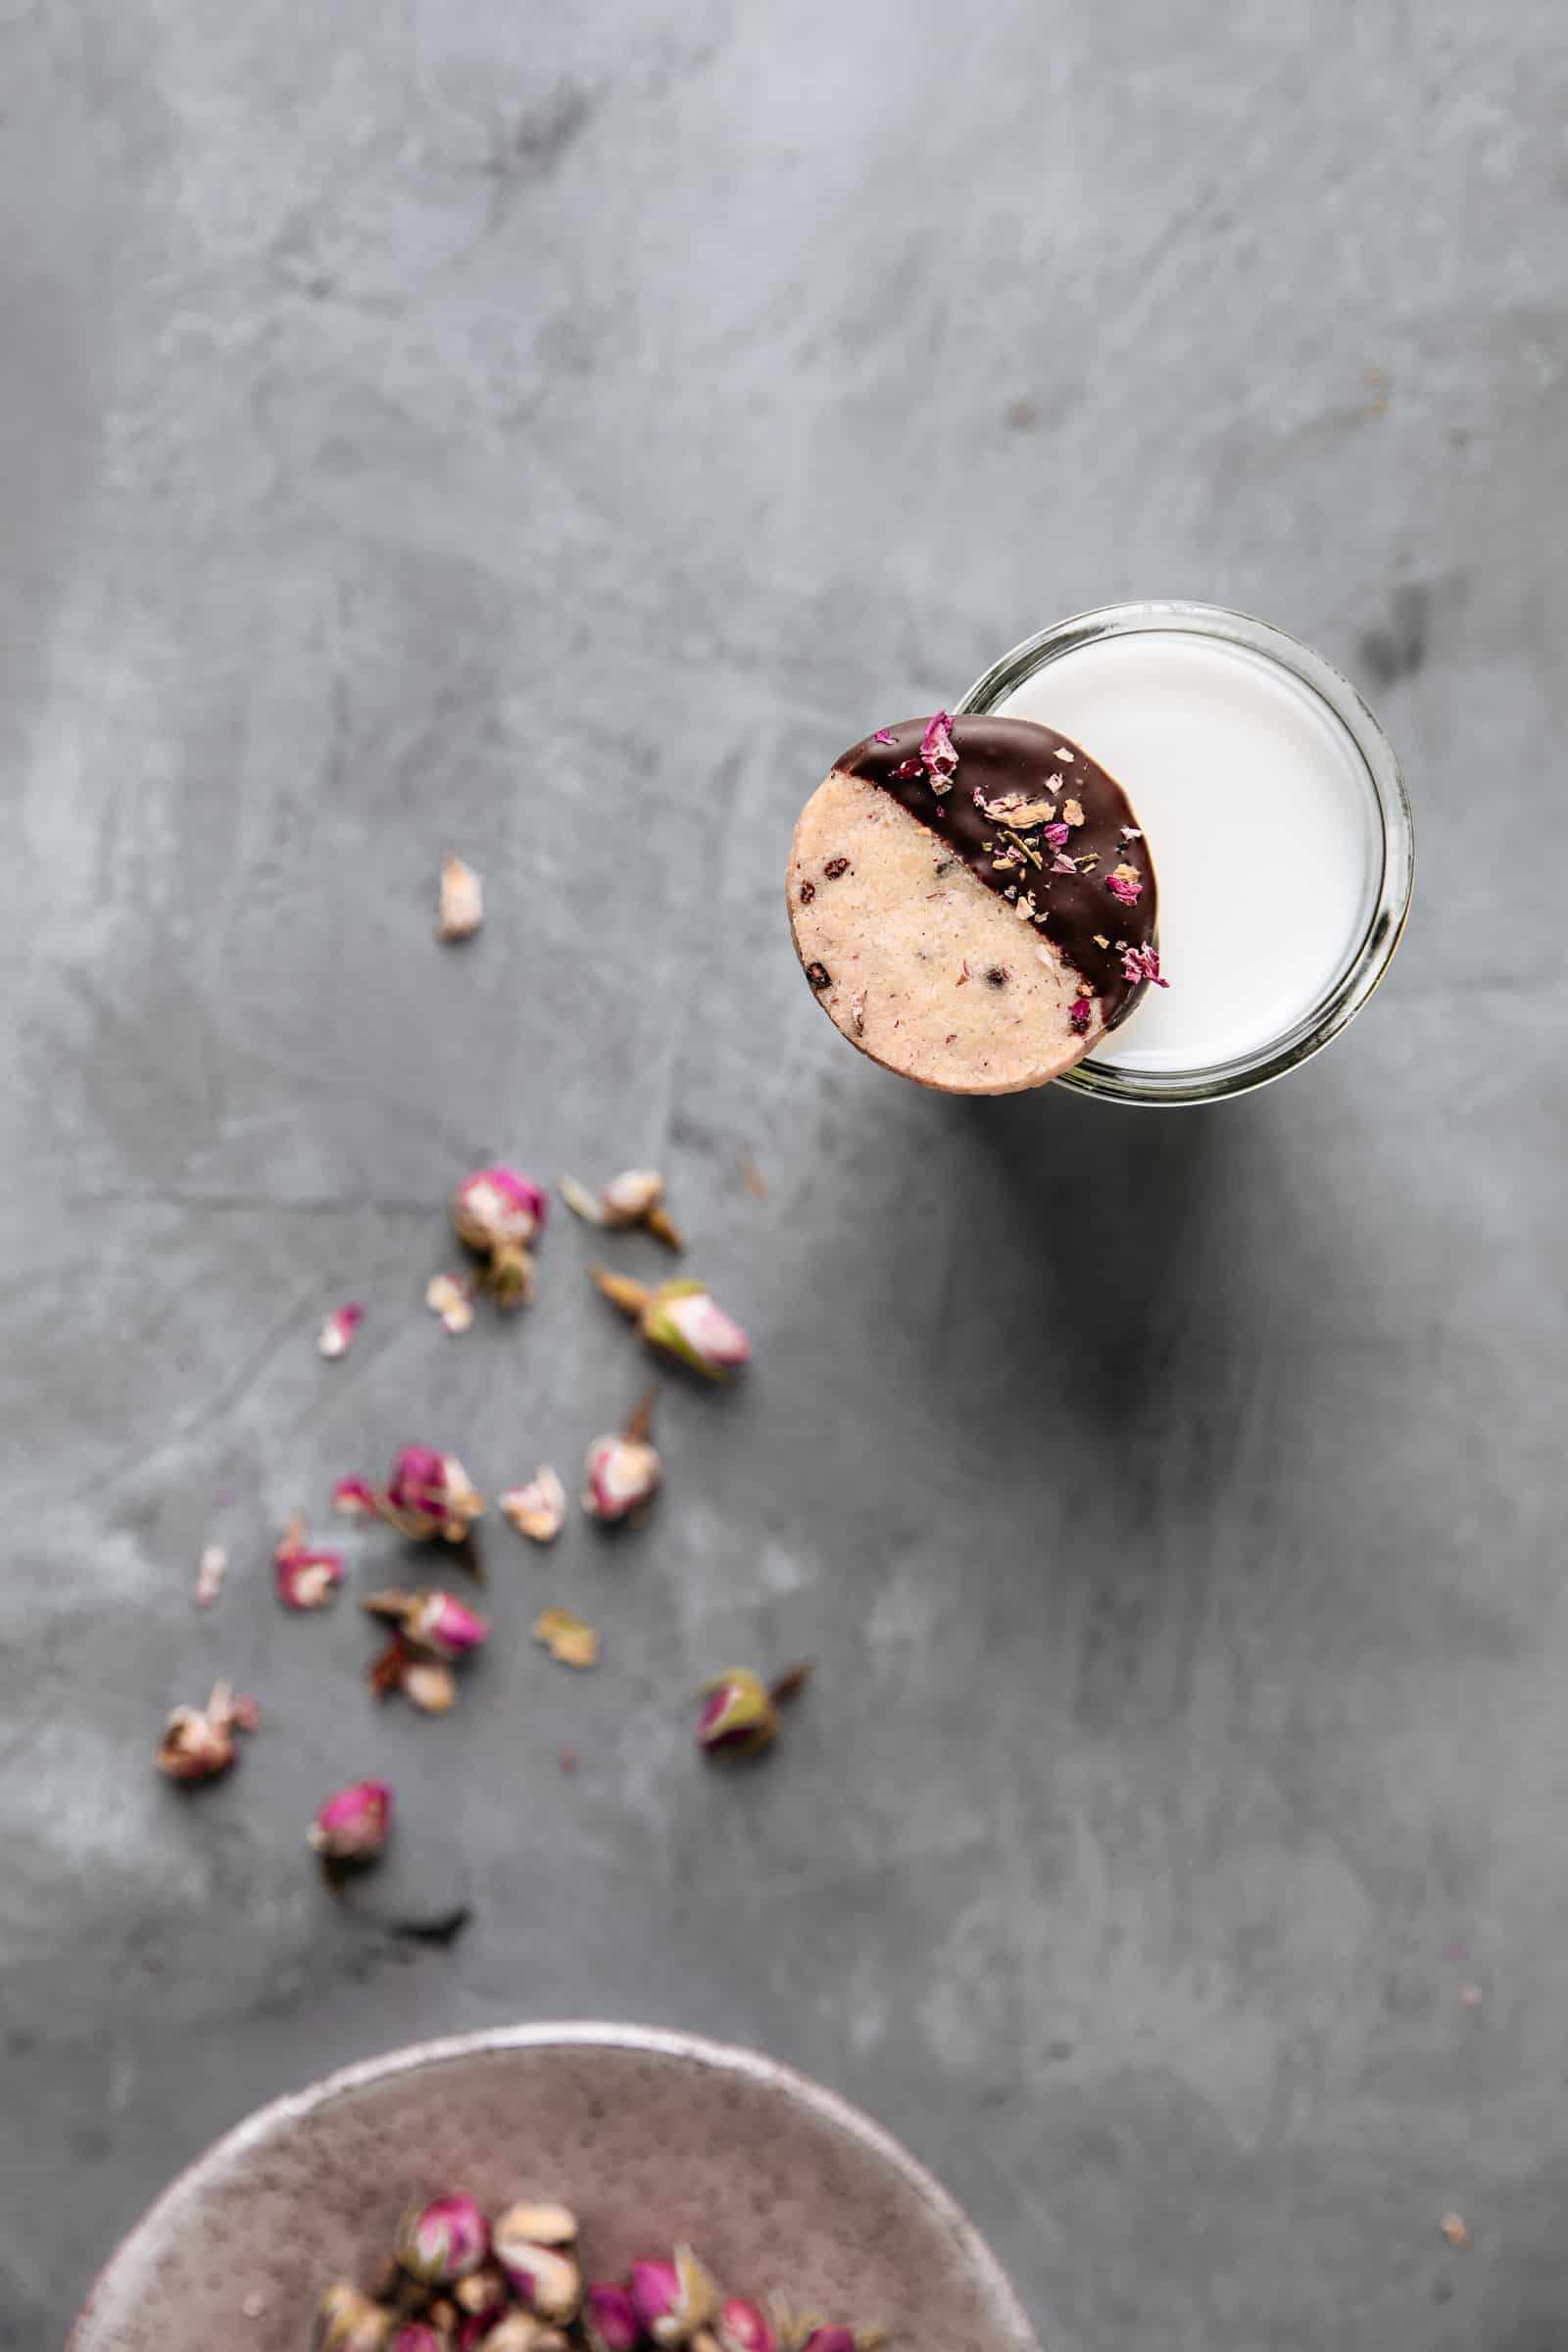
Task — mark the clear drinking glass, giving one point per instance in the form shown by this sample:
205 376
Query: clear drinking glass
1390 829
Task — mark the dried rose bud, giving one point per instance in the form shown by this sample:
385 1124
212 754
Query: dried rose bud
744 2327
519 2332
484 2294
610 2319
620 1475
353 1825
443 2241
347 2321
545 2278
680 1318
461 910
738 1717
338 1332
636 1196
430 1494
498 1212
353 1499
673 2298
831 2339
449 1297
415 2335
440 1622
537 1511
306 1579
547 2224
428 1685
198 1742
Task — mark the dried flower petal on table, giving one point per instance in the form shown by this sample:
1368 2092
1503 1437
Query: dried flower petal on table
352 1498
429 1685
430 1494
210 1570
198 1742
449 1297
338 1332
570 1639
682 1320
443 2241
537 1511
1455 2228
348 2321
352 1826
306 1579
461 908
673 2297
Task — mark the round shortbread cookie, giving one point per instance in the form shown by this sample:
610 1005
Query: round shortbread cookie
972 901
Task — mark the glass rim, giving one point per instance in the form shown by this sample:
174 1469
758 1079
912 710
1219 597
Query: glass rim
1371 954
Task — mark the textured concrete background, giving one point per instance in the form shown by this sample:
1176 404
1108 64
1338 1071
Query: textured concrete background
555 432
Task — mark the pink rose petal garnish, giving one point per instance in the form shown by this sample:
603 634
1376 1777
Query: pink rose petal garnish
338 1332
1126 887
936 749
908 767
1078 1012
1141 963
1063 865
883 735
1056 835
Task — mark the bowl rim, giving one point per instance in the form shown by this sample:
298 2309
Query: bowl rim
695 2049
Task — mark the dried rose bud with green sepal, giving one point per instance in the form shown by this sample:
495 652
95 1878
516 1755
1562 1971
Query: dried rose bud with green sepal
443 2241
682 1320
498 1213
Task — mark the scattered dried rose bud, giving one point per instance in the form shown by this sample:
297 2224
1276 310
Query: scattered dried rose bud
547 2224
306 1579
570 1639
347 2321
338 1332
681 1319
519 2332
198 1742
545 2278
210 1570
498 1213
673 2298
537 1511
449 1297
417 2335
738 1717
636 1196
744 2327
430 1494
620 1475
610 2319
443 2241
484 2294
353 1499
429 1685
438 1621
461 908
353 1825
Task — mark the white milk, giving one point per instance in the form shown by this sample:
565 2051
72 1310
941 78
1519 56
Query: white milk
1261 823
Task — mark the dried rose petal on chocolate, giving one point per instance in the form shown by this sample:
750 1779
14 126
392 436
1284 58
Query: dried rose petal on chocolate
1073 811
210 1570
537 1511
1126 884
883 735
936 749
352 1826
674 2296
1141 963
347 2321
353 1498
430 1494
443 2241
338 1332
306 1579
449 1297
1079 1012
461 908
198 1742
570 1639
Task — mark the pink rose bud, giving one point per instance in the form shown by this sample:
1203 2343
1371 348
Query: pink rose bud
306 1579
545 2278
498 1212
682 1319
673 2298
830 2339
519 2332
610 2319
738 1717
353 1499
439 1621
338 1332
347 2321
353 1825
415 2336
430 1494
443 2241
198 1742
619 1475
744 2327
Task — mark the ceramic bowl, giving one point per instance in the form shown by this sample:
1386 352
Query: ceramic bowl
651 2137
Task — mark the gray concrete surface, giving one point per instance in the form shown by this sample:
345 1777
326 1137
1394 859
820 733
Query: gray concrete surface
554 433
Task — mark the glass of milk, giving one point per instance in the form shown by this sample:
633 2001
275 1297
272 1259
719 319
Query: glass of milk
1277 824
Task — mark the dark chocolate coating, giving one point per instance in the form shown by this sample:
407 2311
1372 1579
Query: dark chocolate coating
1001 755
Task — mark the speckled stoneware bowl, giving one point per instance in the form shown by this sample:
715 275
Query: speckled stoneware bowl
651 2137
